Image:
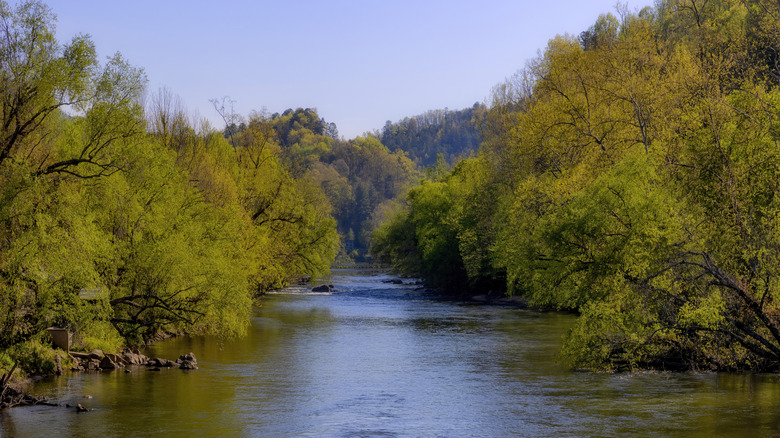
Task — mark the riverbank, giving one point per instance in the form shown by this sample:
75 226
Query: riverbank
17 391
382 359
502 300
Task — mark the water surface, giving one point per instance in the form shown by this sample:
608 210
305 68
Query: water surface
381 360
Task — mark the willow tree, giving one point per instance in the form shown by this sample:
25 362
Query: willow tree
639 181
45 156
38 75
670 258
100 230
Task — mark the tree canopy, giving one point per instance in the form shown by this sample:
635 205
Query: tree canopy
121 221
452 134
630 175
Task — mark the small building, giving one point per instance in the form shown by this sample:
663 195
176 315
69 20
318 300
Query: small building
60 337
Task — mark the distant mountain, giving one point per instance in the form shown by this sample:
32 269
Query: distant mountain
453 134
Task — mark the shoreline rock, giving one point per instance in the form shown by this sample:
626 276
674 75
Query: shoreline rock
98 361
13 395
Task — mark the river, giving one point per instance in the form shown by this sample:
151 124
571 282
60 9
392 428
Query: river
381 360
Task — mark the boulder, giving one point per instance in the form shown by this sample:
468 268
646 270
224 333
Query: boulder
79 356
78 364
188 362
117 359
134 358
323 288
160 363
107 364
96 354
187 365
188 357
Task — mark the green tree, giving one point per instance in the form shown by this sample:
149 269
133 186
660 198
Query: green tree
46 157
453 134
634 178
38 75
119 233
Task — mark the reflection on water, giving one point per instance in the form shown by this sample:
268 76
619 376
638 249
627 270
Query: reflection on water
374 359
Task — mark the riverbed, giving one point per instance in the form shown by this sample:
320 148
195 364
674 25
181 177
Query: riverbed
374 359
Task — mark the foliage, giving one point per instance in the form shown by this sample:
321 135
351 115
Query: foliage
634 178
376 177
442 232
359 177
34 357
453 134
99 335
119 230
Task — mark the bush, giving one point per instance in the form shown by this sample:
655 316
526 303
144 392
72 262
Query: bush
34 357
6 363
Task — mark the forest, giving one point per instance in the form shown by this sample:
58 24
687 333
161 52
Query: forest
630 175
120 217
361 177
453 135
123 218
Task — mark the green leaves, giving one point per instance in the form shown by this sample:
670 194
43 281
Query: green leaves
445 234
118 234
38 76
634 178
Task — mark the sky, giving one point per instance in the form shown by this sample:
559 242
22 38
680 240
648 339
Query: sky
359 63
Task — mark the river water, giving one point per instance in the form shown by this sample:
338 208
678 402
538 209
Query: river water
382 360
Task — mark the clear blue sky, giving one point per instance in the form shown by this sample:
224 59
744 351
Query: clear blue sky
360 63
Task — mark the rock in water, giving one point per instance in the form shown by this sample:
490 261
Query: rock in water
108 364
187 365
188 362
160 363
134 357
189 356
